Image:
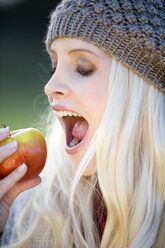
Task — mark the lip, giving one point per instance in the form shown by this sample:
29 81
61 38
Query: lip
62 108
79 146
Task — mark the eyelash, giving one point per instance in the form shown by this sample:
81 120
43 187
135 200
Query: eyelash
78 70
83 73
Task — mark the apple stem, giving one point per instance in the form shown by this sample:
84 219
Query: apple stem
3 124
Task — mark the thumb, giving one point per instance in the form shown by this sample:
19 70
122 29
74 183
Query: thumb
19 188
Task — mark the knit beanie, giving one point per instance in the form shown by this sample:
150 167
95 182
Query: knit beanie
132 31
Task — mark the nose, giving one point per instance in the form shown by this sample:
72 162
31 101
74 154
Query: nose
56 89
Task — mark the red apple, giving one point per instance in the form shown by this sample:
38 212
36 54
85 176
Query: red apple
31 150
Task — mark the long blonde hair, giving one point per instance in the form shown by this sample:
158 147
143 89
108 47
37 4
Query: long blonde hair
130 154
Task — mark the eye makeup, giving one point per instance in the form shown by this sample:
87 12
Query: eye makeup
84 67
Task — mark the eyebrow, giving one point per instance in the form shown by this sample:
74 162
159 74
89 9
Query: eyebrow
78 50
82 50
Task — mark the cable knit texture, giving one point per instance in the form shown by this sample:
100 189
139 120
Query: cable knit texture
132 31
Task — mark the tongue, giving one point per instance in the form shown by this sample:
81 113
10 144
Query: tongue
80 128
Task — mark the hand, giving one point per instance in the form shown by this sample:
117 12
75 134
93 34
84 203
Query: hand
10 187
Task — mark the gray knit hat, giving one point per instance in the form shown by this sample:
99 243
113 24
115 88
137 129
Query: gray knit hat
133 31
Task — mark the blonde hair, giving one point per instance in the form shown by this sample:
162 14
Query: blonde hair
130 152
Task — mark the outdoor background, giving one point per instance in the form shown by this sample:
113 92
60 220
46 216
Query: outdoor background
24 63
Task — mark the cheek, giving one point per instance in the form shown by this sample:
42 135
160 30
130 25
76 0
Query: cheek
91 94
97 97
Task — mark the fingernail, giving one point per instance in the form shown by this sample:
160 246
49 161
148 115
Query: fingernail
4 130
22 167
11 145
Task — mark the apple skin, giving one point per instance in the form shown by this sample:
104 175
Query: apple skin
31 150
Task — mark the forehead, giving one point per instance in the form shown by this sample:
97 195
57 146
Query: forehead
68 44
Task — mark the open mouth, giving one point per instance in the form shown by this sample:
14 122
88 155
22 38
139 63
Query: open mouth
75 128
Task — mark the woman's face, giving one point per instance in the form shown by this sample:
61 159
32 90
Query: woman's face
77 93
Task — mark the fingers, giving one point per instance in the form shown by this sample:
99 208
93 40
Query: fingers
4 133
8 182
9 192
28 184
7 150
19 188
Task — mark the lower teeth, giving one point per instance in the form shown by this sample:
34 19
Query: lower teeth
73 142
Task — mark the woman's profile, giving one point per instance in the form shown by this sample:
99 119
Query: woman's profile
104 180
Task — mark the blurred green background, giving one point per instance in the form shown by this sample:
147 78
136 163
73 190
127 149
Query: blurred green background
24 62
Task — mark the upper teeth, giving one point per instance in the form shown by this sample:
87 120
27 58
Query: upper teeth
65 113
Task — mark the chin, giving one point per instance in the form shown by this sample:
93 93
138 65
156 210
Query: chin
90 169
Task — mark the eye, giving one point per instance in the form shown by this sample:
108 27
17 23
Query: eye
84 73
53 70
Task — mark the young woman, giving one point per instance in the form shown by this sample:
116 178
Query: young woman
104 181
